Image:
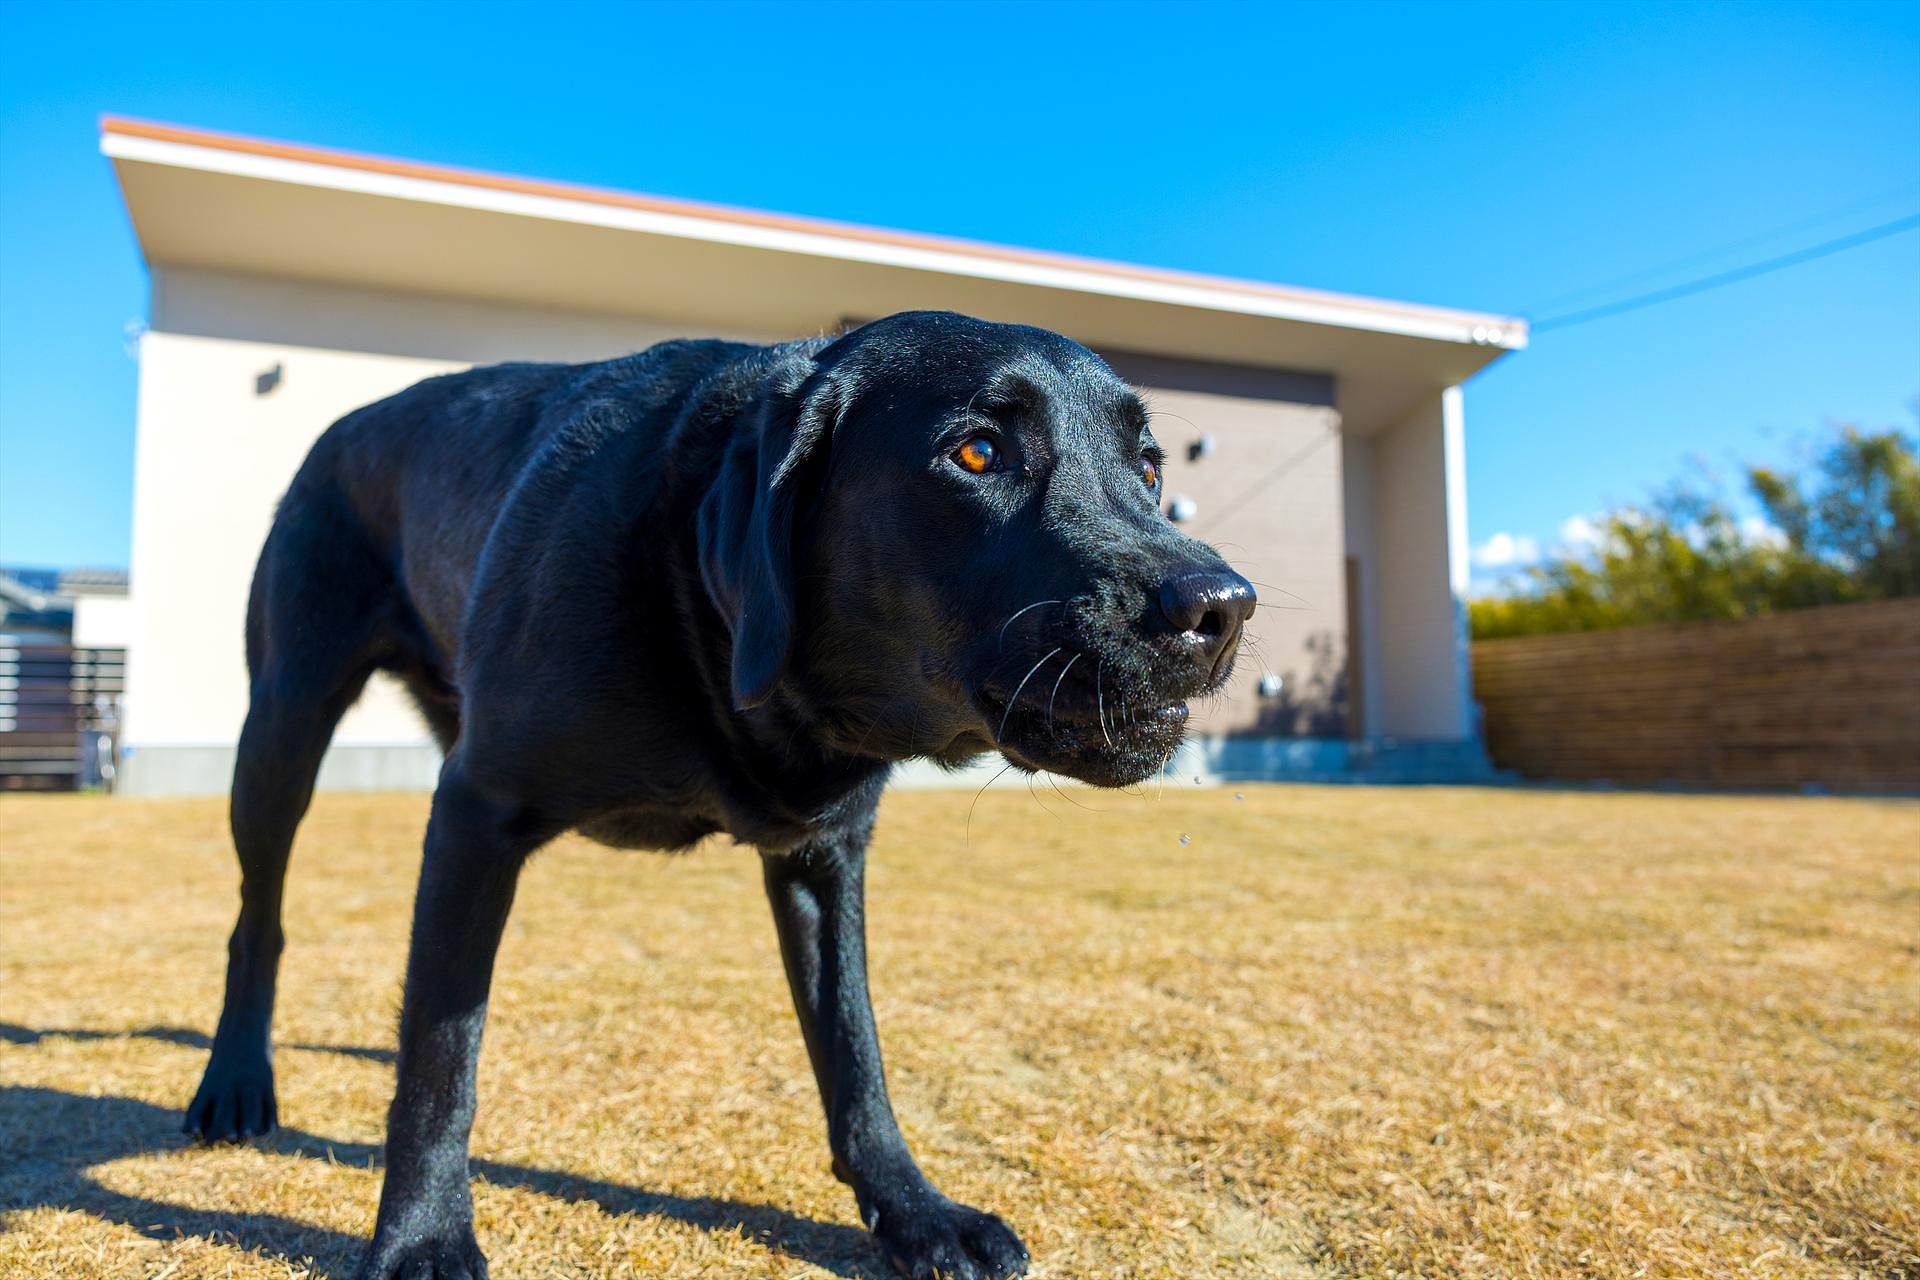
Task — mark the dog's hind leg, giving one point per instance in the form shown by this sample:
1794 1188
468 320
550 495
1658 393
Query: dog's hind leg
314 627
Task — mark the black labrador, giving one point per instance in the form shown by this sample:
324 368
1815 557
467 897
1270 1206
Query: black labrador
711 587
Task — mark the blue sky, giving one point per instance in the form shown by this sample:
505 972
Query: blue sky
1505 157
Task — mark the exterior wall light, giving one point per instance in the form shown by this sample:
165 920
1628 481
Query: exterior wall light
1201 448
1182 509
1271 685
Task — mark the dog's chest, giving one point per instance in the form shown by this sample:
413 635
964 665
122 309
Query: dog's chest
647 828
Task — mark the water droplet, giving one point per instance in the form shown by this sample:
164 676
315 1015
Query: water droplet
1185 838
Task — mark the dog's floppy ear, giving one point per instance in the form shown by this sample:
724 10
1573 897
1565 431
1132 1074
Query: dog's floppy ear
746 526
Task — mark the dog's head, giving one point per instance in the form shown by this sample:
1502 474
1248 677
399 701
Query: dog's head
945 538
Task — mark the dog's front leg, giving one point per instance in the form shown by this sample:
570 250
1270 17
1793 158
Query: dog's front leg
474 852
818 905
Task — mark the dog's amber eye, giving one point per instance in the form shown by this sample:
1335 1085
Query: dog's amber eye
977 455
1149 470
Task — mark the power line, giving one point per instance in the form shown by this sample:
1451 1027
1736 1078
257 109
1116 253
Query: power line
1704 257
1734 276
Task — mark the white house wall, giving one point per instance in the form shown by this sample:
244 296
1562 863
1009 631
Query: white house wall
102 622
212 460
214 455
1415 560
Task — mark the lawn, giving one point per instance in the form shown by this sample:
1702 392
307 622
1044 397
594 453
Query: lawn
1332 1032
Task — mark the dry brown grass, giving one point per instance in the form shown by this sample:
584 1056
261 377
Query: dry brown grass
1343 1032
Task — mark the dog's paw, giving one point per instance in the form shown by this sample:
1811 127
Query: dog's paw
449 1254
235 1101
948 1241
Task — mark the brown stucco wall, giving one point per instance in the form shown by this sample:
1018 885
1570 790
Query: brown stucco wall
1269 496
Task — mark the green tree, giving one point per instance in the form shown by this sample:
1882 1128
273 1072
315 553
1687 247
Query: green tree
1860 514
1845 528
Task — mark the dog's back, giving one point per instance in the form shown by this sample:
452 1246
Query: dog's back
376 543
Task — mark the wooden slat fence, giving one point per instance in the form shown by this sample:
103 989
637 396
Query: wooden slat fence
1825 697
55 703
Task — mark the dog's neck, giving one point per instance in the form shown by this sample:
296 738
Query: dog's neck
771 774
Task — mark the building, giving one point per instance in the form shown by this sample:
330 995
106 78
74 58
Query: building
1316 437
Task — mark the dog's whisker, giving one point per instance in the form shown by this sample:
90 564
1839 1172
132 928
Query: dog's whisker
1268 586
1101 702
982 791
1001 732
1164 762
913 734
968 411
1034 791
1010 621
1056 688
1062 793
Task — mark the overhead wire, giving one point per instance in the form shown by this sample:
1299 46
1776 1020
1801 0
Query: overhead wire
1671 293
1853 208
1721 279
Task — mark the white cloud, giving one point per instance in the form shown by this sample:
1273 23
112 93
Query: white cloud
1505 551
1577 533
1756 529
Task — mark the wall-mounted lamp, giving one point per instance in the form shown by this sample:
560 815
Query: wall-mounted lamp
1182 509
1201 448
1271 685
267 381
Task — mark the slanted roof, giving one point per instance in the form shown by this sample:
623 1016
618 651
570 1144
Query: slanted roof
224 202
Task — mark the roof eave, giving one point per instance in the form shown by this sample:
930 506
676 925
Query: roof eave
143 142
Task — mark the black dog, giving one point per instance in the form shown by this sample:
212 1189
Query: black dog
707 588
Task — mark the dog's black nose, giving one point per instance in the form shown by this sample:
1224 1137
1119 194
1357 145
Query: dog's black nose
1207 608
